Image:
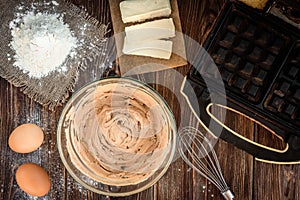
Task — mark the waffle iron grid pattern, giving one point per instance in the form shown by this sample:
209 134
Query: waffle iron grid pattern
251 56
284 98
246 53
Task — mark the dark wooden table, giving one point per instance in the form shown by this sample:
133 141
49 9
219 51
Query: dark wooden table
248 178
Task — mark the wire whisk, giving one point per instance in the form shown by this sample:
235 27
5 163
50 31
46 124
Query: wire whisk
203 158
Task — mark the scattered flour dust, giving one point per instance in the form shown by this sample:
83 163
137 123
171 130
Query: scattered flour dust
41 42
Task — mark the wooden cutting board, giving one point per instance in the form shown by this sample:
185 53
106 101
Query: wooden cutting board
130 64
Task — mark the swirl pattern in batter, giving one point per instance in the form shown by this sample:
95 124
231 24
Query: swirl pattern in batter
126 138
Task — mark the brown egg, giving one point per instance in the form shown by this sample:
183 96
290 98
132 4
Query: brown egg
33 179
26 138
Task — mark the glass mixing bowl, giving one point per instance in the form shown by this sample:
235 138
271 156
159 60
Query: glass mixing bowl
116 136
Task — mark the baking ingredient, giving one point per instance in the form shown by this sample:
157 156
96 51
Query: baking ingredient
145 39
41 42
157 29
26 138
153 48
33 179
140 10
122 136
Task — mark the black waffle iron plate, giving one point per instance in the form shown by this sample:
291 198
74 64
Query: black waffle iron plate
258 57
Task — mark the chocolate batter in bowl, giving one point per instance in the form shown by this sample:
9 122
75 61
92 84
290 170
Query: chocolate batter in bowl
116 136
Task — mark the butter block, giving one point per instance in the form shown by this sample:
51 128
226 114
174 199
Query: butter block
152 48
158 29
140 10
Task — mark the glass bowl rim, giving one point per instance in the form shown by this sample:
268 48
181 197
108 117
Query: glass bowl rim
77 178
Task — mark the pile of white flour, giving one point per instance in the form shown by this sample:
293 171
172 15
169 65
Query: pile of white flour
41 42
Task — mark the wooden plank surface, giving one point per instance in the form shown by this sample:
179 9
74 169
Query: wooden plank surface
248 178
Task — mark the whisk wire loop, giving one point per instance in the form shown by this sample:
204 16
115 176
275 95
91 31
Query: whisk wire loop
203 159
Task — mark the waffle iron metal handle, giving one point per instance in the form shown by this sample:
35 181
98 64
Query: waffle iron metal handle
290 155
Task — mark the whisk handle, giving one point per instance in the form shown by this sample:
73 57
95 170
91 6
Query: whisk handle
228 195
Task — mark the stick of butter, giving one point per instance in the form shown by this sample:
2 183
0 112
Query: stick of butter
154 30
152 48
140 10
